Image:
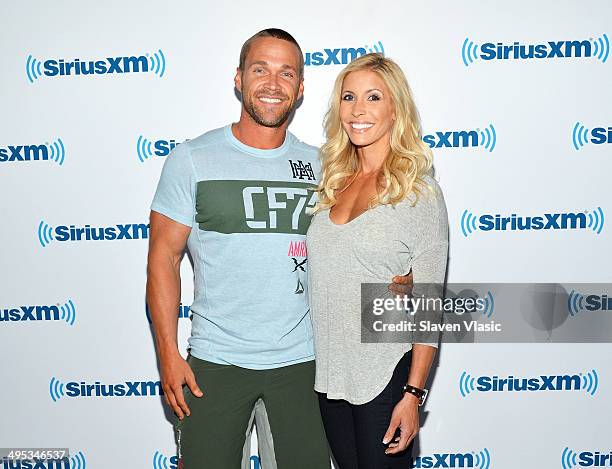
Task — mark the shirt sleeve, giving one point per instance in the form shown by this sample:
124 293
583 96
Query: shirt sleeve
431 255
175 194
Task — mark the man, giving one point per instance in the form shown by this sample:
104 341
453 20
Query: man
237 197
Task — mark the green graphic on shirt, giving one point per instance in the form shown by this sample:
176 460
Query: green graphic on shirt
254 206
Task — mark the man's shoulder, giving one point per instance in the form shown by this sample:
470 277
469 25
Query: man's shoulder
302 147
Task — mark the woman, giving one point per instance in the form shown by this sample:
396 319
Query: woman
380 213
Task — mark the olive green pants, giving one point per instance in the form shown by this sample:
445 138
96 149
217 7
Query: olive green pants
213 436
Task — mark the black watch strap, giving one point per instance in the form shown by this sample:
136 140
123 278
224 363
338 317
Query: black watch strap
420 394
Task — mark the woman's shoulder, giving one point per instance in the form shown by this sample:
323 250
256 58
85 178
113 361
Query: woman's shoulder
425 195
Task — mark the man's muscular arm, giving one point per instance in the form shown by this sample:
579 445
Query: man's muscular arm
167 240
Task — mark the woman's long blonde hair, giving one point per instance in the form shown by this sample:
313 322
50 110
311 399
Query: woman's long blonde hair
409 158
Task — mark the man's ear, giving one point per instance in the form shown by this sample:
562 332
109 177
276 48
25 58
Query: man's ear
238 79
300 90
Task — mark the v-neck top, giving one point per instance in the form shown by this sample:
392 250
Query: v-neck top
372 248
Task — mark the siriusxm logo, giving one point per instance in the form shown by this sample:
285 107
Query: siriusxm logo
183 312
577 302
598 48
149 63
76 461
54 151
463 138
46 233
341 55
571 459
41 313
58 389
597 135
161 461
588 382
480 460
593 220
146 148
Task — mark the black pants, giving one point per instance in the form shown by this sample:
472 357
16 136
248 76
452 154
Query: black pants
355 432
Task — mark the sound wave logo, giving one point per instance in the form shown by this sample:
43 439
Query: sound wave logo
596 220
158 62
143 148
568 458
45 234
160 461
58 152
466 384
468 52
575 303
483 459
599 48
77 461
68 312
33 69
468 223
590 382
489 305
580 136
376 48
56 389
488 138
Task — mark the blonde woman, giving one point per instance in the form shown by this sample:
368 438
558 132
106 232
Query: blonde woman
380 213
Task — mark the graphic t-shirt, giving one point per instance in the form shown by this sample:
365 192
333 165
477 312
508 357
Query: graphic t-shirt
247 210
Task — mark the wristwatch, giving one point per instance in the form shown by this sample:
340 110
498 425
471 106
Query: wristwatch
420 394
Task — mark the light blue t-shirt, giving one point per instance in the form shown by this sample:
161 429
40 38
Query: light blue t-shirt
246 208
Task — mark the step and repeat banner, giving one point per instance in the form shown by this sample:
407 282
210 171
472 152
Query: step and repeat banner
515 99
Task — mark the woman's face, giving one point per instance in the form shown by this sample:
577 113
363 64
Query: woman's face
366 109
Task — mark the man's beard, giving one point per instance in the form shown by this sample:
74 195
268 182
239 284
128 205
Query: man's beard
259 116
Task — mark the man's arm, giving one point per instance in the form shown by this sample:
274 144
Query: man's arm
167 240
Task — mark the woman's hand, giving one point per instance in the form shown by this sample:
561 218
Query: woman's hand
405 416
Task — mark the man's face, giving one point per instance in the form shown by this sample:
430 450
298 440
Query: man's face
270 82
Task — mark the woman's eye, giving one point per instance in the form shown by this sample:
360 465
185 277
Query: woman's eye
374 97
347 97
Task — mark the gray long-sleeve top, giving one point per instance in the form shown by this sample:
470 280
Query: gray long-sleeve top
382 242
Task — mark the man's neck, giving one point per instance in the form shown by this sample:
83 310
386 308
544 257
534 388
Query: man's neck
249 132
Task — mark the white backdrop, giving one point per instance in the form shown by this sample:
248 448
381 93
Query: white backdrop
542 129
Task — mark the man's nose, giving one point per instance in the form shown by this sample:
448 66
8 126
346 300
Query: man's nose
273 82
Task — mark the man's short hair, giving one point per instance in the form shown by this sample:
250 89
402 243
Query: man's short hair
271 32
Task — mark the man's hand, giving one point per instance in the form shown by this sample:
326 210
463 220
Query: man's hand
405 416
402 284
175 371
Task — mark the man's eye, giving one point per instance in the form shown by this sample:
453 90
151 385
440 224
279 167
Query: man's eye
258 70
288 74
